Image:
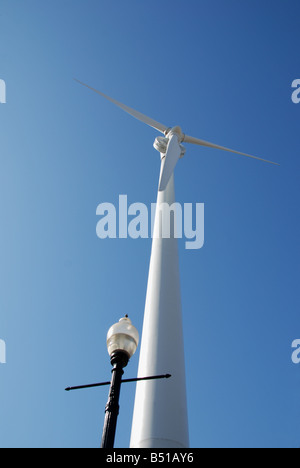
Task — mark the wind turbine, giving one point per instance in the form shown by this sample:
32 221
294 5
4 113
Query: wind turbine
160 411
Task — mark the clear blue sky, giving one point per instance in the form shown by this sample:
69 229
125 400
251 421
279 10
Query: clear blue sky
223 71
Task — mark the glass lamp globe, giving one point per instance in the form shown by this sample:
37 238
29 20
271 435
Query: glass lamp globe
122 337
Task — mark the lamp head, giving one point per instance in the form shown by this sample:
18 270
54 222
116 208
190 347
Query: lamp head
122 340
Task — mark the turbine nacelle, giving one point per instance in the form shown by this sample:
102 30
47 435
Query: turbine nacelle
171 150
161 143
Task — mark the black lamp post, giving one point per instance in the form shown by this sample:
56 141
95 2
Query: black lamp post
112 406
122 342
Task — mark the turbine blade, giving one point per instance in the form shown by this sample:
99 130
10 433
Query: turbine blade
172 156
196 141
134 113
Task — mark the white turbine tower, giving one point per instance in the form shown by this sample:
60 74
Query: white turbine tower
160 412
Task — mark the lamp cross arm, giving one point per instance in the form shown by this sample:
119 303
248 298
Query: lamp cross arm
101 384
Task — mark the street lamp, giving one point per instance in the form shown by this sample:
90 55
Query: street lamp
122 342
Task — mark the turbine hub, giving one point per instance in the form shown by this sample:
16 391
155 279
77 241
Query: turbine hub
175 131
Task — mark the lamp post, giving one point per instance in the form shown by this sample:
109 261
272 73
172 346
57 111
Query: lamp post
122 342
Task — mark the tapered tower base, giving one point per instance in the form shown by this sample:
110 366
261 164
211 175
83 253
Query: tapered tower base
160 411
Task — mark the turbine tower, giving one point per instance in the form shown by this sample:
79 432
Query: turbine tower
160 412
